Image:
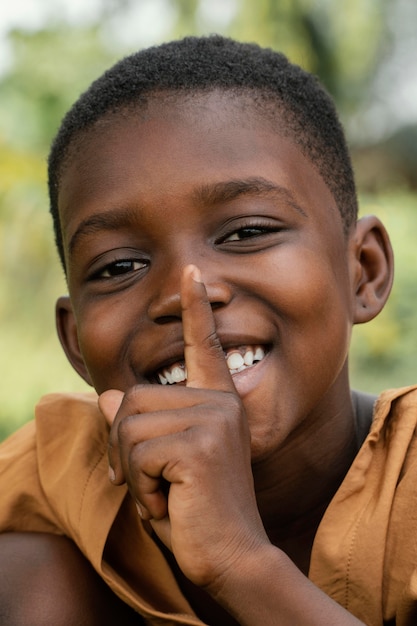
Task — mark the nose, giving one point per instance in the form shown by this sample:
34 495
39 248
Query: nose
165 306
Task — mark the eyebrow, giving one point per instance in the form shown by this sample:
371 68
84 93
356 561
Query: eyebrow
99 222
221 192
209 195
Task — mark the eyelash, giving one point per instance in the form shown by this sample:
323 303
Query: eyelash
121 263
123 267
255 230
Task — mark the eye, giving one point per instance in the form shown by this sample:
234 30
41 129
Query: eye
246 233
120 268
250 230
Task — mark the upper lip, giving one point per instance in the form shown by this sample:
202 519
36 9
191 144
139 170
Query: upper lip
174 352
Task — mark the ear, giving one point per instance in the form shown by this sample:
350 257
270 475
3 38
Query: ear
374 268
68 336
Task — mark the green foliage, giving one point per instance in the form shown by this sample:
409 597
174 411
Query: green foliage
51 68
31 360
33 98
342 42
384 351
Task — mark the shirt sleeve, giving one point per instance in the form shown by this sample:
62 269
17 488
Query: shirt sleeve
23 505
54 478
54 474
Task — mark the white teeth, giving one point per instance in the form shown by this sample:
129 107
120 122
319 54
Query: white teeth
171 376
259 354
248 357
236 362
178 374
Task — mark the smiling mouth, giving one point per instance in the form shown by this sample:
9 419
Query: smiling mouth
238 359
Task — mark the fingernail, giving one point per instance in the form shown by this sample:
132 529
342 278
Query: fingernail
112 475
140 512
196 275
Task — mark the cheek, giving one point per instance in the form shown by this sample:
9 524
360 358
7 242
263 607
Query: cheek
311 310
312 297
313 288
102 339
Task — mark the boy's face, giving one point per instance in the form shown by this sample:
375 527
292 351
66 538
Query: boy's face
207 181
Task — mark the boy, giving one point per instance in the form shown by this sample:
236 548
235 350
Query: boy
205 213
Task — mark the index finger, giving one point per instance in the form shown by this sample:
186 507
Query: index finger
203 352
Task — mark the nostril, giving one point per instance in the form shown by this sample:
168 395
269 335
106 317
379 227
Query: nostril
166 319
216 305
165 307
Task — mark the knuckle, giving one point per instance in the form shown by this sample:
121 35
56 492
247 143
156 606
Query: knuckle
126 427
137 455
131 400
122 430
208 444
232 407
212 342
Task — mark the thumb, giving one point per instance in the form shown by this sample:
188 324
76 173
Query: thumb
109 403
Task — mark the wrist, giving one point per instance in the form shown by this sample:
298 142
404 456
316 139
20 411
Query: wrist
245 572
265 587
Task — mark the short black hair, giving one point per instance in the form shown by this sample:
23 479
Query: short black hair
198 64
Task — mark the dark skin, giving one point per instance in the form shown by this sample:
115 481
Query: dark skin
45 580
201 230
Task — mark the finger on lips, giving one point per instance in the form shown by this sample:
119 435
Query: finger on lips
204 355
207 370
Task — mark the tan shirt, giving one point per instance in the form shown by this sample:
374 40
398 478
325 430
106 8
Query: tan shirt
54 478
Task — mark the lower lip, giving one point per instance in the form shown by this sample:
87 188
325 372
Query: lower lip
248 379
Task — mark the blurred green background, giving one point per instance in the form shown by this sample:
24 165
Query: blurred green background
363 50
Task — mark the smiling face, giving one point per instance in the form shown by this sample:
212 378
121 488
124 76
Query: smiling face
206 181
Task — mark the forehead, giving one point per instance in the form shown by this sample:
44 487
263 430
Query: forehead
175 143
202 113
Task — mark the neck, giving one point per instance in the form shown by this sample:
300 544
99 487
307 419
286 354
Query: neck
295 485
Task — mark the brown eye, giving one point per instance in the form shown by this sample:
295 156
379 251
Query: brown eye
120 268
245 233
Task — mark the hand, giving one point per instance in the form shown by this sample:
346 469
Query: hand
184 452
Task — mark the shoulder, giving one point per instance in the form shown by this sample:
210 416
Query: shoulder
69 406
395 414
400 562
70 422
52 467
56 415
387 410
72 452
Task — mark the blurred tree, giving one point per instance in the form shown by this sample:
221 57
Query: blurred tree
342 42
51 67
